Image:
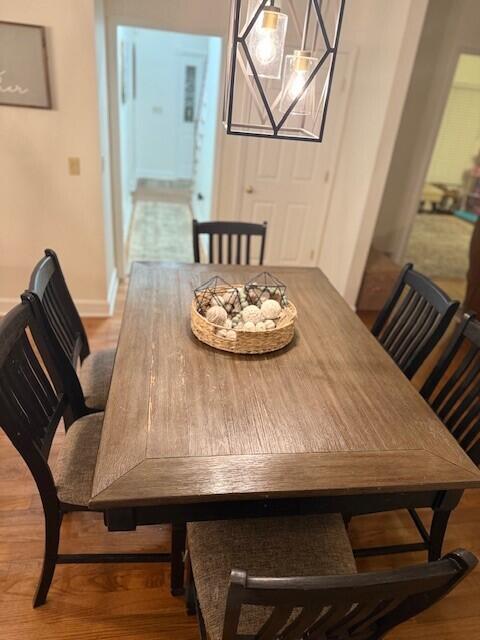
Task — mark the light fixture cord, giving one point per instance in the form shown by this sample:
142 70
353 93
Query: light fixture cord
306 25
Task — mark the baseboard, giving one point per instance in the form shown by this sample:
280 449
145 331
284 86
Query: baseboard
86 308
100 308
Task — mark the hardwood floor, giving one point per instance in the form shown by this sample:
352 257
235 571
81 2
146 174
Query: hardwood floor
117 602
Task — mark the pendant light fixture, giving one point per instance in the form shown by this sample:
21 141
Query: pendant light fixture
280 67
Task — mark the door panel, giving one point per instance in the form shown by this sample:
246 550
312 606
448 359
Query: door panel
289 183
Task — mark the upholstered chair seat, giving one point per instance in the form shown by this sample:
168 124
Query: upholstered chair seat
270 547
74 470
95 375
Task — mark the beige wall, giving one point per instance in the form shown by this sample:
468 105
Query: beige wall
385 35
450 28
41 205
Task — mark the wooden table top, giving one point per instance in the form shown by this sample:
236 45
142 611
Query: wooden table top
331 414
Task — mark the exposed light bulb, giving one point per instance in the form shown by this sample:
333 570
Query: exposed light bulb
297 84
266 48
266 40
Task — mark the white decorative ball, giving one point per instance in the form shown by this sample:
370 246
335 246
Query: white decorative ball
239 326
216 315
222 333
260 326
231 335
271 309
249 326
269 324
252 314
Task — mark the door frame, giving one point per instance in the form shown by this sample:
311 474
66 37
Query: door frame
112 22
423 160
352 52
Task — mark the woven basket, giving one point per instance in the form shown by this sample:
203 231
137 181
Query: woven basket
248 342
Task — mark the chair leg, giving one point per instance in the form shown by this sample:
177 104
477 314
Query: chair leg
189 587
437 534
179 535
53 522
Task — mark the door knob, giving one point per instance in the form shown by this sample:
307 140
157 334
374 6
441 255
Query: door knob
249 189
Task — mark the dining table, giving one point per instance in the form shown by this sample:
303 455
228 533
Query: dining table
327 424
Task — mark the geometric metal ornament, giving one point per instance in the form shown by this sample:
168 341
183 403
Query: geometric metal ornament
279 72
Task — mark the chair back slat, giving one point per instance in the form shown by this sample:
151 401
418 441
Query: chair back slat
232 230
62 340
453 387
30 406
65 333
48 284
357 607
275 623
413 320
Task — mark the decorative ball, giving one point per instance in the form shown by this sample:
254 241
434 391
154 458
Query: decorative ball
216 315
269 324
253 295
239 326
222 333
260 326
252 314
244 304
271 309
228 323
249 326
230 297
231 335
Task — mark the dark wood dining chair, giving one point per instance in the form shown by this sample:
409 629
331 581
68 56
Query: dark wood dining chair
238 241
48 286
453 387
413 320
31 407
291 599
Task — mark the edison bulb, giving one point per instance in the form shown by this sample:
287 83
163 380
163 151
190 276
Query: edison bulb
266 49
266 40
297 84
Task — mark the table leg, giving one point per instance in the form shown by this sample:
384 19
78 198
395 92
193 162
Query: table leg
179 536
447 501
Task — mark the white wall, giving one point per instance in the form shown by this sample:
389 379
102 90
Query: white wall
207 130
450 28
385 34
164 142
41 205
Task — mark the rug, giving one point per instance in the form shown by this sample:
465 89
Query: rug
161 231
439 246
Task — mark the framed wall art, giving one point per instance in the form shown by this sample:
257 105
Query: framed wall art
24 79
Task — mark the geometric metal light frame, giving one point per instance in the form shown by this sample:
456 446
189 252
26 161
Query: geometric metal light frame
271 124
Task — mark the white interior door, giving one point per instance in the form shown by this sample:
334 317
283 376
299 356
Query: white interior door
288 183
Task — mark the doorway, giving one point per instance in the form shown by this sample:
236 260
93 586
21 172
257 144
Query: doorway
449 207
168 92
